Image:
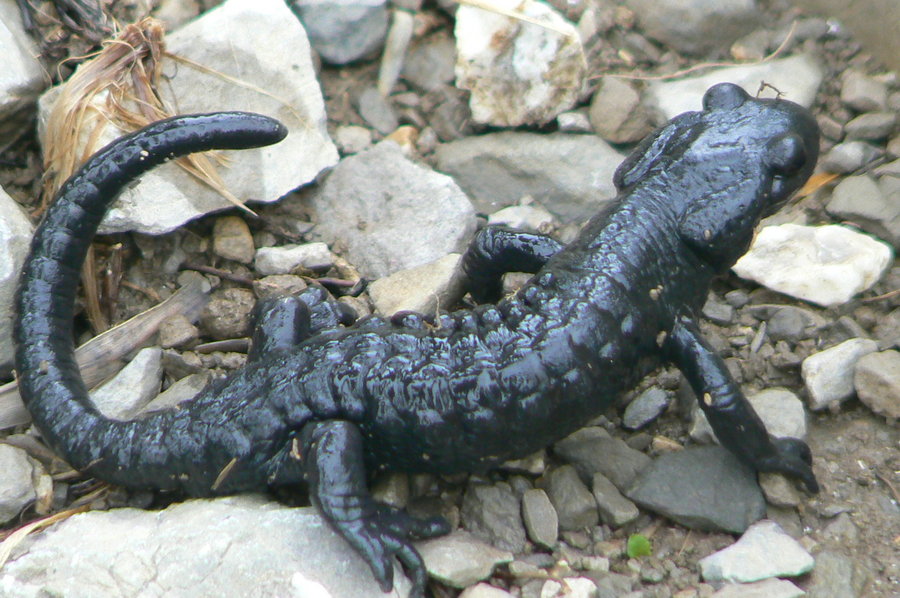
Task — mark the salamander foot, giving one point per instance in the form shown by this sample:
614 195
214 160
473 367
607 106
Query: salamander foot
792 458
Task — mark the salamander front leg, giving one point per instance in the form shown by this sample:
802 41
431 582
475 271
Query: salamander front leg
332 454
496 250
736 424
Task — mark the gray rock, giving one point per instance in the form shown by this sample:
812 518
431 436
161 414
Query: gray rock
848 157
570 175
705 488
541 521
423 289
789 322
828 374
377 111
230 547
278 285
226 40
859 199
798 77
390 213
696 27
835 576
535 73
528 217
352 139
574 121
181 391
133 387
717 311
780 410
615 509
592 450
617 114
227 315
177 331
764 551
877 382
826 265
430 62
767 588
18 474
861 92
493 514
343 31
570 587
15 238
460 559
232 239
643 410
23 76
575 505
483 590
871 126
285 258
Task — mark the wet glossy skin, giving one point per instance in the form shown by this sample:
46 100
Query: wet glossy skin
325 403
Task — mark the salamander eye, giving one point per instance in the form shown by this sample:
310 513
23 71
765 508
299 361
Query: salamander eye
787 154
724 96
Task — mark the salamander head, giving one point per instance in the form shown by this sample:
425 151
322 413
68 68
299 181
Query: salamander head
722 169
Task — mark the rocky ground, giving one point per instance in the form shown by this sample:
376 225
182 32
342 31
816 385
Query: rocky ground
809 323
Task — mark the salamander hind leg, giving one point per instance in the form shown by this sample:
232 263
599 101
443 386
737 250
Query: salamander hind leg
284 322
496 250
332 453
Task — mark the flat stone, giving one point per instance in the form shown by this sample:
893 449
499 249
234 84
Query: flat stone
352 139
835 575
483 590
797 77
530 76
828 374
529 217
767 588
764 551
848 157
863 92
781 411
285 258
423 289
644 409
827 265
541 521
617 114
705 488
15 238
570 587
575 505
23 76
696 27
343 31
133 387
615 510
225 40
460 559
181 391
177 331
877 382
492 512
230 547
871 126
861 200
390 213
430 62
570 175
592 450
18 473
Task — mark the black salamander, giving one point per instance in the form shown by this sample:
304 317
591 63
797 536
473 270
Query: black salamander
324 403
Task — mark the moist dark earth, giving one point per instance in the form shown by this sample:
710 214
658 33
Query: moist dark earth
855 520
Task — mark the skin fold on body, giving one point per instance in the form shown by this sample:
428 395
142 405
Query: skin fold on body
325 400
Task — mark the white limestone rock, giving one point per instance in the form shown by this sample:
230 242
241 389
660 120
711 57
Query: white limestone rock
283 259
460 559
826 265
764 551
828 374
15 237
230 548
19 477
21 75
518 72
133 387
797 78
278 80
780 410
423 289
